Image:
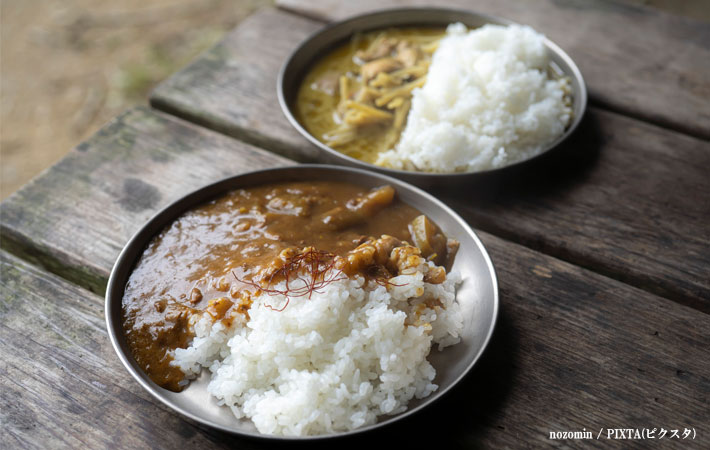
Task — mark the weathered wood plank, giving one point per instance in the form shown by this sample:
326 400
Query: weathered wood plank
572 350
75 218
575 350
623 198
62 384
636 209
637 61
232 87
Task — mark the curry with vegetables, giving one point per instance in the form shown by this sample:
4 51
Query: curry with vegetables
356 99
204 260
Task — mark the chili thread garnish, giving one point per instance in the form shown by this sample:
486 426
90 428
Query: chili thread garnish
315 269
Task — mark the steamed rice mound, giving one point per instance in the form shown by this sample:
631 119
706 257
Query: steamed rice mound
335 362
487 103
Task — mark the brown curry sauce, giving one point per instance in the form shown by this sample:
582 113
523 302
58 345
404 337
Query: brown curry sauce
197 262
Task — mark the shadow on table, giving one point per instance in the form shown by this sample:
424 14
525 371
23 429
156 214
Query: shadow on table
465 413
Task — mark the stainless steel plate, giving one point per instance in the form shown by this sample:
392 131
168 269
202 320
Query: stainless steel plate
331 36
478 295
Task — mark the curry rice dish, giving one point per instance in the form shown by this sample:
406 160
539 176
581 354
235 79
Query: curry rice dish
322 295
438 101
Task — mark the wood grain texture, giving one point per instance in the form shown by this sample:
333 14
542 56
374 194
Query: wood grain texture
637 61
232 87
623 198
572 350
633 204
75 218
62 384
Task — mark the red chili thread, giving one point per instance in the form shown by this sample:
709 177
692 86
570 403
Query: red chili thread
320 271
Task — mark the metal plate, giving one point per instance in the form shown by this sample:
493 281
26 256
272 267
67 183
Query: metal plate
331 36
478 294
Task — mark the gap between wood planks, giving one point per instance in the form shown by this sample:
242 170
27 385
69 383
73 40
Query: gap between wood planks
657 122
637 280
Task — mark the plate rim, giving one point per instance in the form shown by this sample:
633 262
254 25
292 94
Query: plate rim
127 258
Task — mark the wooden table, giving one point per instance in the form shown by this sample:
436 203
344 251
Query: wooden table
602 255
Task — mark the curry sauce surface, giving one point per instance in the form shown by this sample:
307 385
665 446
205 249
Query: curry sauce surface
200 255
319 95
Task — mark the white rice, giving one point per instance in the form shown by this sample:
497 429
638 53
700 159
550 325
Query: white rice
330 363
487 103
